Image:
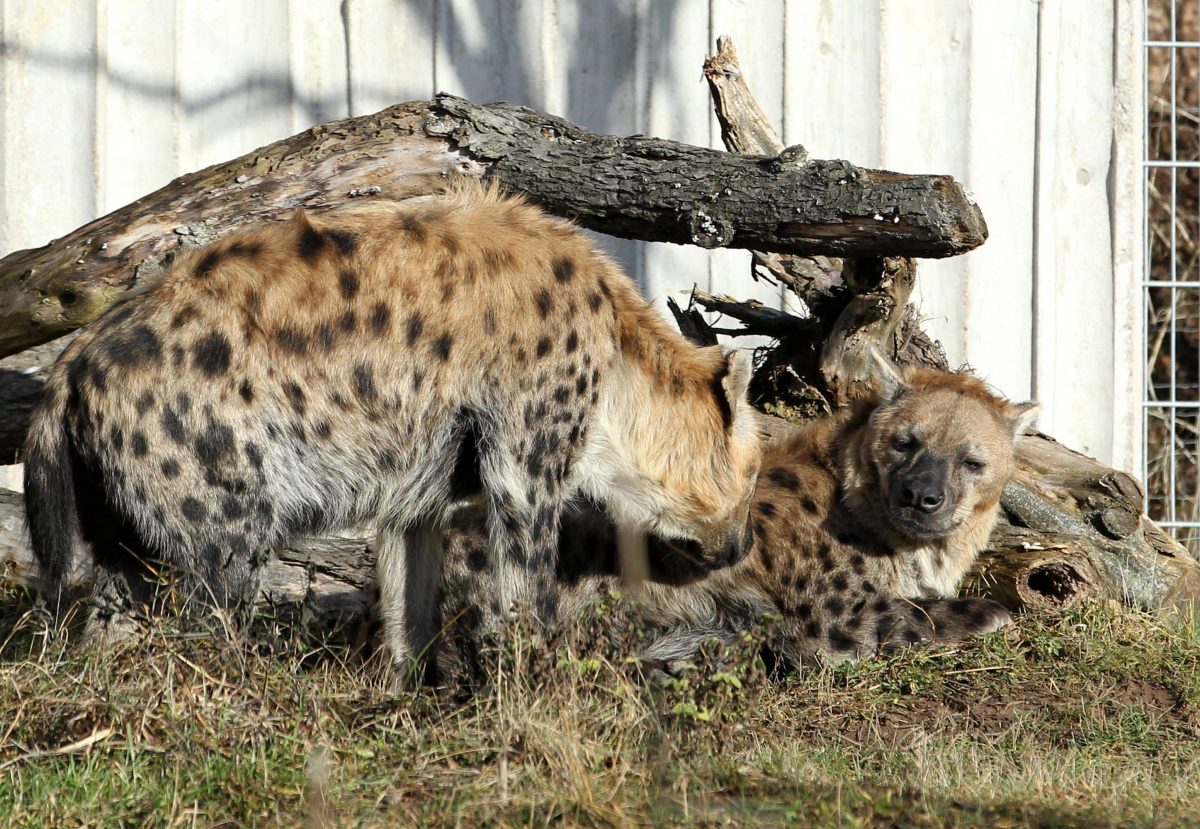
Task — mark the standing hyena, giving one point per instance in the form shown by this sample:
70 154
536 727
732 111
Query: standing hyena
864 524
382 363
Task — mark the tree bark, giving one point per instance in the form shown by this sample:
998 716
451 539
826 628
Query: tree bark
637 187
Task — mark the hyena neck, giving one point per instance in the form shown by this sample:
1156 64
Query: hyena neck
655 423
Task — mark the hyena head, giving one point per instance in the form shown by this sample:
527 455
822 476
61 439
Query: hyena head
933 454
694 461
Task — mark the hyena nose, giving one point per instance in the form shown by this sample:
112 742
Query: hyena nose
927 497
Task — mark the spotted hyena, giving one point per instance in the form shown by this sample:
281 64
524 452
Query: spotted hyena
382 364
864 524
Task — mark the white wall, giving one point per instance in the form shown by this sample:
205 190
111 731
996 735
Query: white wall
102 101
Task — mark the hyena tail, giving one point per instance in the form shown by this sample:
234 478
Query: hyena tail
51 511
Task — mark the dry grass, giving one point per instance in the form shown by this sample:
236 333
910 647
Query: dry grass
1091 719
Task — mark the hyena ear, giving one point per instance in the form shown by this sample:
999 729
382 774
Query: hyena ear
885 375
1023 415
735 380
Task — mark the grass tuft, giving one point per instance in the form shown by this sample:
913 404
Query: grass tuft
1090 718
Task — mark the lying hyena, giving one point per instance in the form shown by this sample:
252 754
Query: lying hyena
864 525
380 364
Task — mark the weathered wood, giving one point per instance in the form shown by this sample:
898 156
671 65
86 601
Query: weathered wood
637 187
1074 528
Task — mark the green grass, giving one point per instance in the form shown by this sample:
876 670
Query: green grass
1088 719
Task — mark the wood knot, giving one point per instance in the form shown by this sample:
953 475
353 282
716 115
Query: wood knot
1117 522
708 230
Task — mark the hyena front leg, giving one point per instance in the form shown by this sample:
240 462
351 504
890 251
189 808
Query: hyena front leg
408 570
939 621
524 490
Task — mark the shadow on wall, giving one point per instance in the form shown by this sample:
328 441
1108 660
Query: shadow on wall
580 59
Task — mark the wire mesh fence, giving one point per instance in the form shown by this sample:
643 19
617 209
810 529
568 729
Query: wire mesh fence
1171 285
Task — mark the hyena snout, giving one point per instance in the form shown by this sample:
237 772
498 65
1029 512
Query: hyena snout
922 501
727 548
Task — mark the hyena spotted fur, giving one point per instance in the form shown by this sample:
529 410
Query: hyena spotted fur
382 365
864 524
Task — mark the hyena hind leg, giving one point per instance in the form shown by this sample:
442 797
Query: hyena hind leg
408 571
939 621
125 588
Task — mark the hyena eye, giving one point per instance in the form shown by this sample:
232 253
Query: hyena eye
973 465
902 443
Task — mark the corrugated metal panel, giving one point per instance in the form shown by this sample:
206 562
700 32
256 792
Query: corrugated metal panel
104 100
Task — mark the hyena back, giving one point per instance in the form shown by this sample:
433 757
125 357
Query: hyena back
381 365
864 524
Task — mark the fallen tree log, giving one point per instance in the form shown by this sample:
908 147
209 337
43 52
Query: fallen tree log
638 187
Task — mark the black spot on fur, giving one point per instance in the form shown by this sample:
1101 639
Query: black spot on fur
134 348
348 283
343 240
417 379
254 455
138 442
839 583
809 506
310 244
348 321
564 269
489 321
292 340
543 347
572 342
208 262
249 250
117 439
594 302
170 468
144 403
544 303
323 429
295 396
477 558
193 510
232 508
182 316
416 326
834 605
381 318
214 444
441 347
210 354
246 391
411 224
766 509
785 478
173 426
364 383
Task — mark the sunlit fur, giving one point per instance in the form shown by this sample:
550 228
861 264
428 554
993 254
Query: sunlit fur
382 364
